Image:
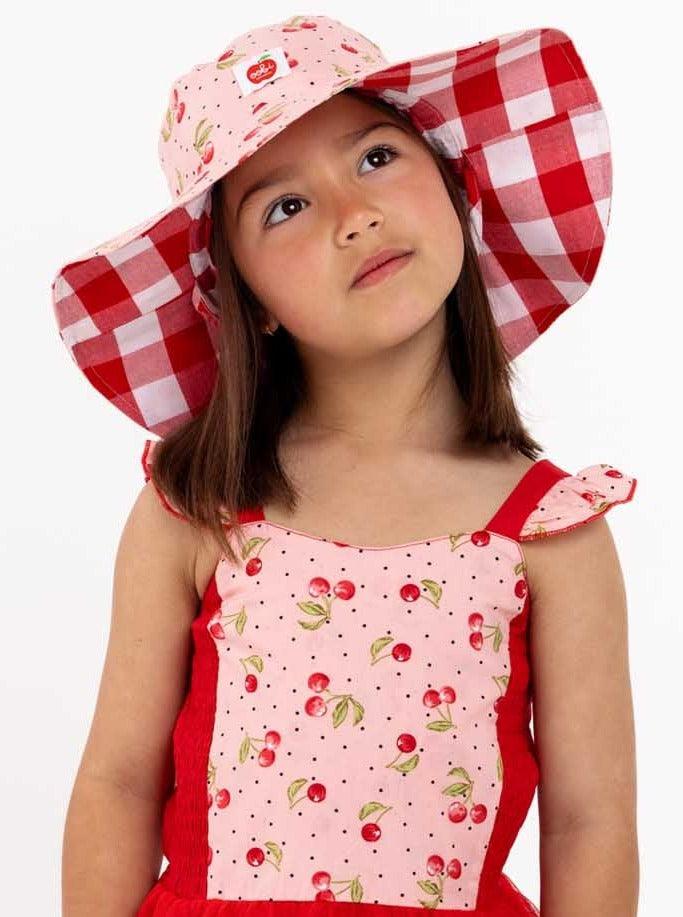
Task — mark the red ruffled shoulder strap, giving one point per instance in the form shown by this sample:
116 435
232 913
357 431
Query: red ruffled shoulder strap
147 460
549 500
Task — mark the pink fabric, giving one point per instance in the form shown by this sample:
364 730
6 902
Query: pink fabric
357 726
577 499
339 743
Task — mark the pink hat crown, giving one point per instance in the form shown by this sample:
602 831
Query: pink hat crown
222 110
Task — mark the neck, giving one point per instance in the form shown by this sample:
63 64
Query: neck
386 401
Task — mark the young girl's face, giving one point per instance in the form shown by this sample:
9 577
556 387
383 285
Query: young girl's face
299 242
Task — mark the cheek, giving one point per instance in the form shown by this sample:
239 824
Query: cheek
442 225
291 282
273 270
433 225
446 217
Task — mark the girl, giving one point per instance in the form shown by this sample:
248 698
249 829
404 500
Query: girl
350 572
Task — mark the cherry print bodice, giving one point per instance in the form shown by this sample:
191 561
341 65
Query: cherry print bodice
357 726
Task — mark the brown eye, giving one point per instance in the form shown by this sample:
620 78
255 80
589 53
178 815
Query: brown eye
383 148
280 203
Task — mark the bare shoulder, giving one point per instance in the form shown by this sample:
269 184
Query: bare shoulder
154 529
195 551
579 653
572 563
155 558
145 671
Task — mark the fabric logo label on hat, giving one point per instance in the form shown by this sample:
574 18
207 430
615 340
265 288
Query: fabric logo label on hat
262 69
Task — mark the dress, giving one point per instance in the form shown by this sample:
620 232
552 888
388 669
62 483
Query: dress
355 738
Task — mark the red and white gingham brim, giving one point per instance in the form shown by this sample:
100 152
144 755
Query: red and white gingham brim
518 121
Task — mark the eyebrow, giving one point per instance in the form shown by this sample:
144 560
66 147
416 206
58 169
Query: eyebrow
283 173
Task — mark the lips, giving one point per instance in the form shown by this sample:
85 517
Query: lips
387 254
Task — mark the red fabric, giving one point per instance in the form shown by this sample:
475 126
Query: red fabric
507 901
511 515
185 828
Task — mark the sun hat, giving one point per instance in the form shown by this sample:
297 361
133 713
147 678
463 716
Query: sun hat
516 118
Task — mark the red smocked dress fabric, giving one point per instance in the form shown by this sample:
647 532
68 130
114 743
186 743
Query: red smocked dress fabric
356 734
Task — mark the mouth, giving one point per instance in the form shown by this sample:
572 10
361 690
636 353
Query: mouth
385 270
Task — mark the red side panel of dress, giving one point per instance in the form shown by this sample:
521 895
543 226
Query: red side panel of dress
514 734
184 832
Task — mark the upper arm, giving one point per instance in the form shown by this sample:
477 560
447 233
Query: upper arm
144 677
583 716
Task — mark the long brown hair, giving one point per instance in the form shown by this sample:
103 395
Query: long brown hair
226 459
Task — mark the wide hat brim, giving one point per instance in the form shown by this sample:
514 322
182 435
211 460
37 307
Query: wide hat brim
518 121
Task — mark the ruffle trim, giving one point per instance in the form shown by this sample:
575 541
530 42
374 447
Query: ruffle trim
577 499
147 460
161 901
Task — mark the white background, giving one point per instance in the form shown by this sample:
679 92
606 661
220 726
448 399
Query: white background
84 87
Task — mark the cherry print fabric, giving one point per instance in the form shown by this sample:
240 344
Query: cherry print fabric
356 730
576 499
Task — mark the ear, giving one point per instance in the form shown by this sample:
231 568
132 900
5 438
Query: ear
268 324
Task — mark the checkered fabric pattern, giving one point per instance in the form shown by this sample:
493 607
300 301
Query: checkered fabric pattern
516 118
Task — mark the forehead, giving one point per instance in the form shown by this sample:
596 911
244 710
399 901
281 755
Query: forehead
335 125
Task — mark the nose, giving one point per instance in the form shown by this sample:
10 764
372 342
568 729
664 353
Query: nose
352 233
355 216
